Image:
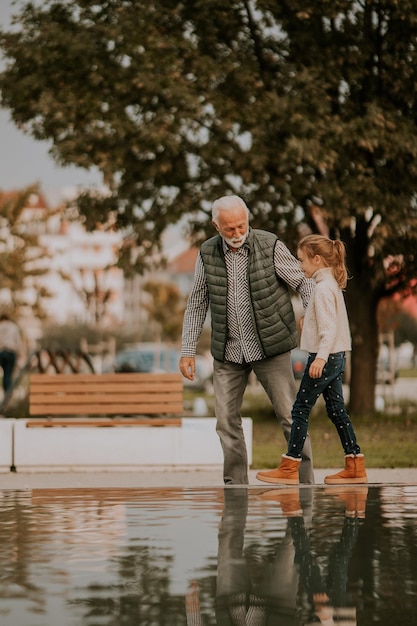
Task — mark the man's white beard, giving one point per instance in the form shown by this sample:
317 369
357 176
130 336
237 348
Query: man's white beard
236 242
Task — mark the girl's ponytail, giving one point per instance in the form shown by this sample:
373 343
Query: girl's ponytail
332 251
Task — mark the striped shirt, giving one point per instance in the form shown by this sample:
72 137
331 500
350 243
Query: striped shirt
241 344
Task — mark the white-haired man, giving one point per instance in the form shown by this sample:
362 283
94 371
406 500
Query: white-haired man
245 276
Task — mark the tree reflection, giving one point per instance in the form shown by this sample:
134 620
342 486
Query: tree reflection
287 556
17 549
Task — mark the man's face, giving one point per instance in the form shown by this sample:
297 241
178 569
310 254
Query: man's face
233 226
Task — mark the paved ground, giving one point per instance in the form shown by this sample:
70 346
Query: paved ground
169 478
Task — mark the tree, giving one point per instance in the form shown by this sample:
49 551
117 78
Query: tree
166 308
91 287
22 257
406 331
306 109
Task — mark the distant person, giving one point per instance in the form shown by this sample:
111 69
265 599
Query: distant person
326 337
245 276
10 348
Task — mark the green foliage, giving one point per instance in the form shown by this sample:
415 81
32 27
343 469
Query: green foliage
177 103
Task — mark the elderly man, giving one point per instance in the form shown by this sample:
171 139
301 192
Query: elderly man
245 276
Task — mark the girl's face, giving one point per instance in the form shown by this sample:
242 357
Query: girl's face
309 265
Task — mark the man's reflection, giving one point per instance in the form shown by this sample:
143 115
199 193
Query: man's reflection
236 602
292 572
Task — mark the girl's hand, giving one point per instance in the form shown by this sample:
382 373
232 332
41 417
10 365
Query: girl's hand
316 368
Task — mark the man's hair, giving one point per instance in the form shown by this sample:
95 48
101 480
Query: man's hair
226 203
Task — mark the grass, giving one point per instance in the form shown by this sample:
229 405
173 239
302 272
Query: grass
408 373
387 439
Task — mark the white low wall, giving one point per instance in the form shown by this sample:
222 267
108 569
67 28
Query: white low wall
6 444
95 448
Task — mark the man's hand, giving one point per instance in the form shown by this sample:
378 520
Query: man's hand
187 367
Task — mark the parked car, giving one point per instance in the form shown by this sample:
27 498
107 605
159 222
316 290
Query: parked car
156 357
147 357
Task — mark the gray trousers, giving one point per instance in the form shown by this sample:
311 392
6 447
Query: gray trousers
230 381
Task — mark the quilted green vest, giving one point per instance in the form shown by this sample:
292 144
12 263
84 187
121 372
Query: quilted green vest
272 311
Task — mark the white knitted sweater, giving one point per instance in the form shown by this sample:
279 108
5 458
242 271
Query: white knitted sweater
326 325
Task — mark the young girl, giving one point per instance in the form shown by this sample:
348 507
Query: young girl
326 336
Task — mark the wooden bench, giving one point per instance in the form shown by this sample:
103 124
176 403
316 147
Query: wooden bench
105 399
61 434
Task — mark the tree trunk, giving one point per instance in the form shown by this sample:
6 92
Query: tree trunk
362 307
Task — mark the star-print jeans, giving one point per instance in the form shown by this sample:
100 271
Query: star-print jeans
330 385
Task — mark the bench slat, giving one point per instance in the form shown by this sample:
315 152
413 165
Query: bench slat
53 379
104 409
133 393
106 398
110 422
103 387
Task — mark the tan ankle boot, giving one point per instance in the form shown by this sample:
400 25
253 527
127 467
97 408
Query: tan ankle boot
288 499
285 474
353 473
353 497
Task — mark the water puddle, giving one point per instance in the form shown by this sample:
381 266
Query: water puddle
202 557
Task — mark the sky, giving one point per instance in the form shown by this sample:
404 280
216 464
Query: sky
24 161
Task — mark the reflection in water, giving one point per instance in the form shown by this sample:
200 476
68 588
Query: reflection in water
276 595
233 555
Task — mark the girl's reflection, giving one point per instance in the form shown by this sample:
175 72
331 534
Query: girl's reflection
275 599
